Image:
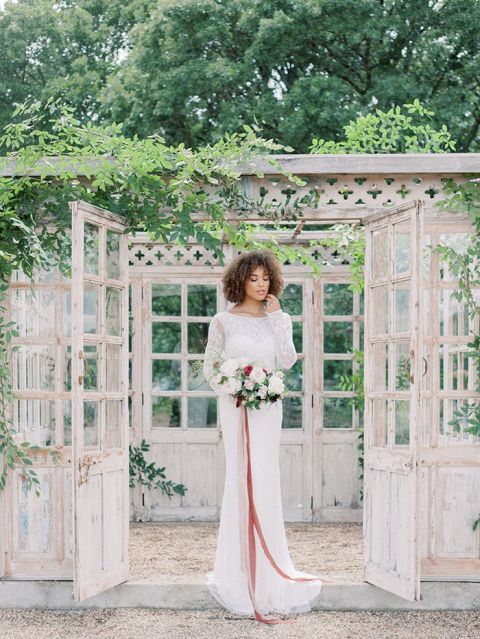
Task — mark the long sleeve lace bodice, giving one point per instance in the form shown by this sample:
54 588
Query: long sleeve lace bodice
267 340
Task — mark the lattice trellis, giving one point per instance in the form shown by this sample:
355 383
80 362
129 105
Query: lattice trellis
341 197
145 254
346 191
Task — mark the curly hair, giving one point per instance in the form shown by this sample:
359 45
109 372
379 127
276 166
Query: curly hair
239 269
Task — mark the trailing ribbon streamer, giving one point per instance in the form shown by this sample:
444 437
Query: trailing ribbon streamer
254 524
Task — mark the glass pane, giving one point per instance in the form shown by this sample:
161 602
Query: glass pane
35 418
114 368
379 422
91 244
333 371
202 412
337 412
457 370
201 299
456 417
401 302
402 365
166 337
401 234
166 374
34 367
337 299
292 299
113 423
67 422
453 317
294 376
67 369
113 255
166 299
196 379
338 337
165 412
402 422
380 311
91 354
292 412
380 366
426 260
67 314
380 254
362 303
113 310
91 424
34 313
197 336
457 241
297 331
91 320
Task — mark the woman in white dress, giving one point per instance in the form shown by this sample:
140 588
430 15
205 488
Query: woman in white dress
253 571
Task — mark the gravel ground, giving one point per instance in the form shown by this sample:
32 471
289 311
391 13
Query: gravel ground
334 550
135 623
188 548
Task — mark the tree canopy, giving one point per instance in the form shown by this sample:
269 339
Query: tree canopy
192 70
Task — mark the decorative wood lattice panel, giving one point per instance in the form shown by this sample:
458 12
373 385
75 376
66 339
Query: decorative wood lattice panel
347 191
170 255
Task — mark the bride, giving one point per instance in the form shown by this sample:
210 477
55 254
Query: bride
253 571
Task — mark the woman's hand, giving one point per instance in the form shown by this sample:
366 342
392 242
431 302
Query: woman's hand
271 303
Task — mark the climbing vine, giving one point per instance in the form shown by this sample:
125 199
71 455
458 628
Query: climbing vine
52 159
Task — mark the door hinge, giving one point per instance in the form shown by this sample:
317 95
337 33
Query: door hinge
311 502
312 298
312 401
143 399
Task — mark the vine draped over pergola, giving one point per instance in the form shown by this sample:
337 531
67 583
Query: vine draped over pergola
176 194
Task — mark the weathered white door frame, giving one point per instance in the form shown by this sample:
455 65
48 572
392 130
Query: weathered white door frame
101 473
392 497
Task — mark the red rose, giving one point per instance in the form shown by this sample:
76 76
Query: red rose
248 369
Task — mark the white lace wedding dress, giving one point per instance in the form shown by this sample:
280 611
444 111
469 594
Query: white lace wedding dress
268 341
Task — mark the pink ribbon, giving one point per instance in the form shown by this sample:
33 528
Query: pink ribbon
254 524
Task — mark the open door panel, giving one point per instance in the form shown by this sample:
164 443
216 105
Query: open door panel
392 400
99 399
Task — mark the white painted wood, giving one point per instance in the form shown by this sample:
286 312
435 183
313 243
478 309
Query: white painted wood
392 496
2 525
302 163
101 470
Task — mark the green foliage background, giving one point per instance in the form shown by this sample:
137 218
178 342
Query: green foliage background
193 70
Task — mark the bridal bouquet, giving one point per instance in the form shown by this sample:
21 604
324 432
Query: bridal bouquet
251 384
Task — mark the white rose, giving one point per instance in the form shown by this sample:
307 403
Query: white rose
18 438
233 385
262 392
216 379
275 385
229 366
257 374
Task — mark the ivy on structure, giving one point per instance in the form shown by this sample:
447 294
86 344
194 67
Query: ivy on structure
52 160
149 474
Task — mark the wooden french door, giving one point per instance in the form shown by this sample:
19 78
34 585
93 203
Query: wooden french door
393 368
99 399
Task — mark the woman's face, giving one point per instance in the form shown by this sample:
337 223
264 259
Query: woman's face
257 284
